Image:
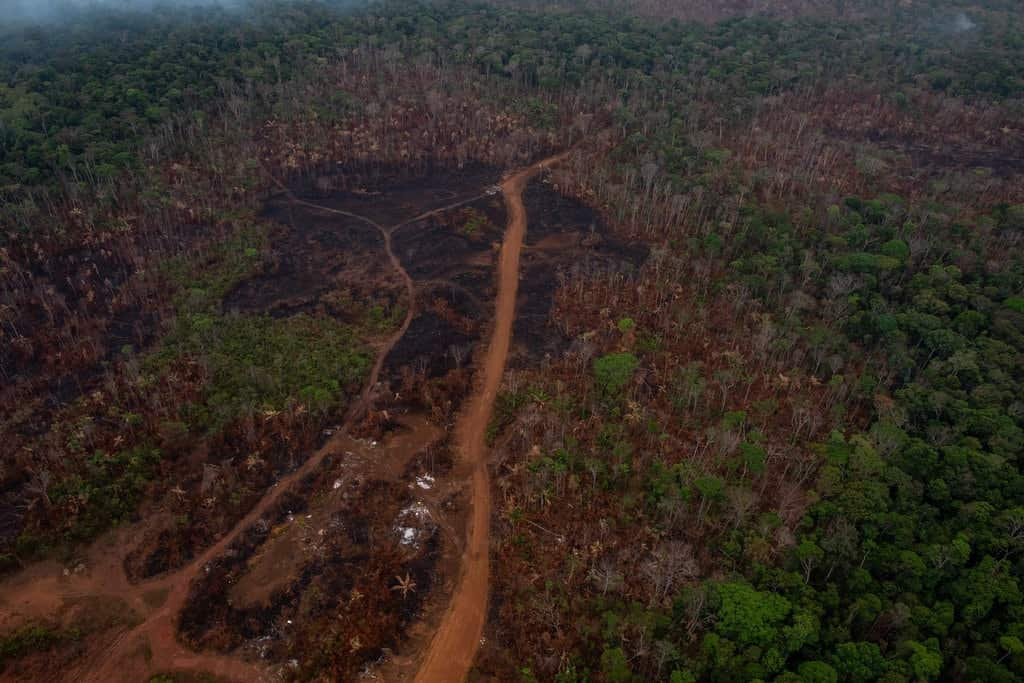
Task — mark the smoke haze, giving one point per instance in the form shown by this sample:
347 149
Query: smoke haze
20 12
962 23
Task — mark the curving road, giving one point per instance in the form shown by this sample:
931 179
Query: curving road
453 648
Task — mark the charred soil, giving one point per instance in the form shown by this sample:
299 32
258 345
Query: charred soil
342 538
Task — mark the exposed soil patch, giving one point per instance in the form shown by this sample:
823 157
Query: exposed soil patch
301 537
280 559
336 547
331 565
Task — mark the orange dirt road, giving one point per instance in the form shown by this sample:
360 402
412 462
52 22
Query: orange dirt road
158 631
151 646
453 648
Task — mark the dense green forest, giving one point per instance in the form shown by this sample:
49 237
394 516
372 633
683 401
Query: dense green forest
76 105
785 444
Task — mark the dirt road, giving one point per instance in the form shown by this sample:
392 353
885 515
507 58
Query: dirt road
152 645
454 646
157 633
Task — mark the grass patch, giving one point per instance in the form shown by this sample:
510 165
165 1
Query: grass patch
30 639
474 222
252 362
108 491
202 285
246 363
262 363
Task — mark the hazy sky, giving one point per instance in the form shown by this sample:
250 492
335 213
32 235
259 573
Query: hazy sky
18 11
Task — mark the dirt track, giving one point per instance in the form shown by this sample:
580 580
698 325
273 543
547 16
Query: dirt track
152 645
454 646
157 631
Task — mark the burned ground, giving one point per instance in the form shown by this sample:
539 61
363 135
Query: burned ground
315 254
388 194
335 590
565 237
338 550
333 573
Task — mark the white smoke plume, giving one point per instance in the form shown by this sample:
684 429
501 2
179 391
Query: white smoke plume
963 23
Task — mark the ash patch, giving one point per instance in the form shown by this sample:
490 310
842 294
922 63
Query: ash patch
563 236
444 244
432 346
312 253
390 194
435 250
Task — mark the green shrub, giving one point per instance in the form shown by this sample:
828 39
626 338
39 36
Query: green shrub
614 370
109 489
28 639
263 362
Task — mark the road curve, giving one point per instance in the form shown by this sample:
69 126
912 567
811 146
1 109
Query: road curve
158 630
453 648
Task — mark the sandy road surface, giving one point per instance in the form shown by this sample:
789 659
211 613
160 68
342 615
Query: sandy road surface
454 646
152 645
